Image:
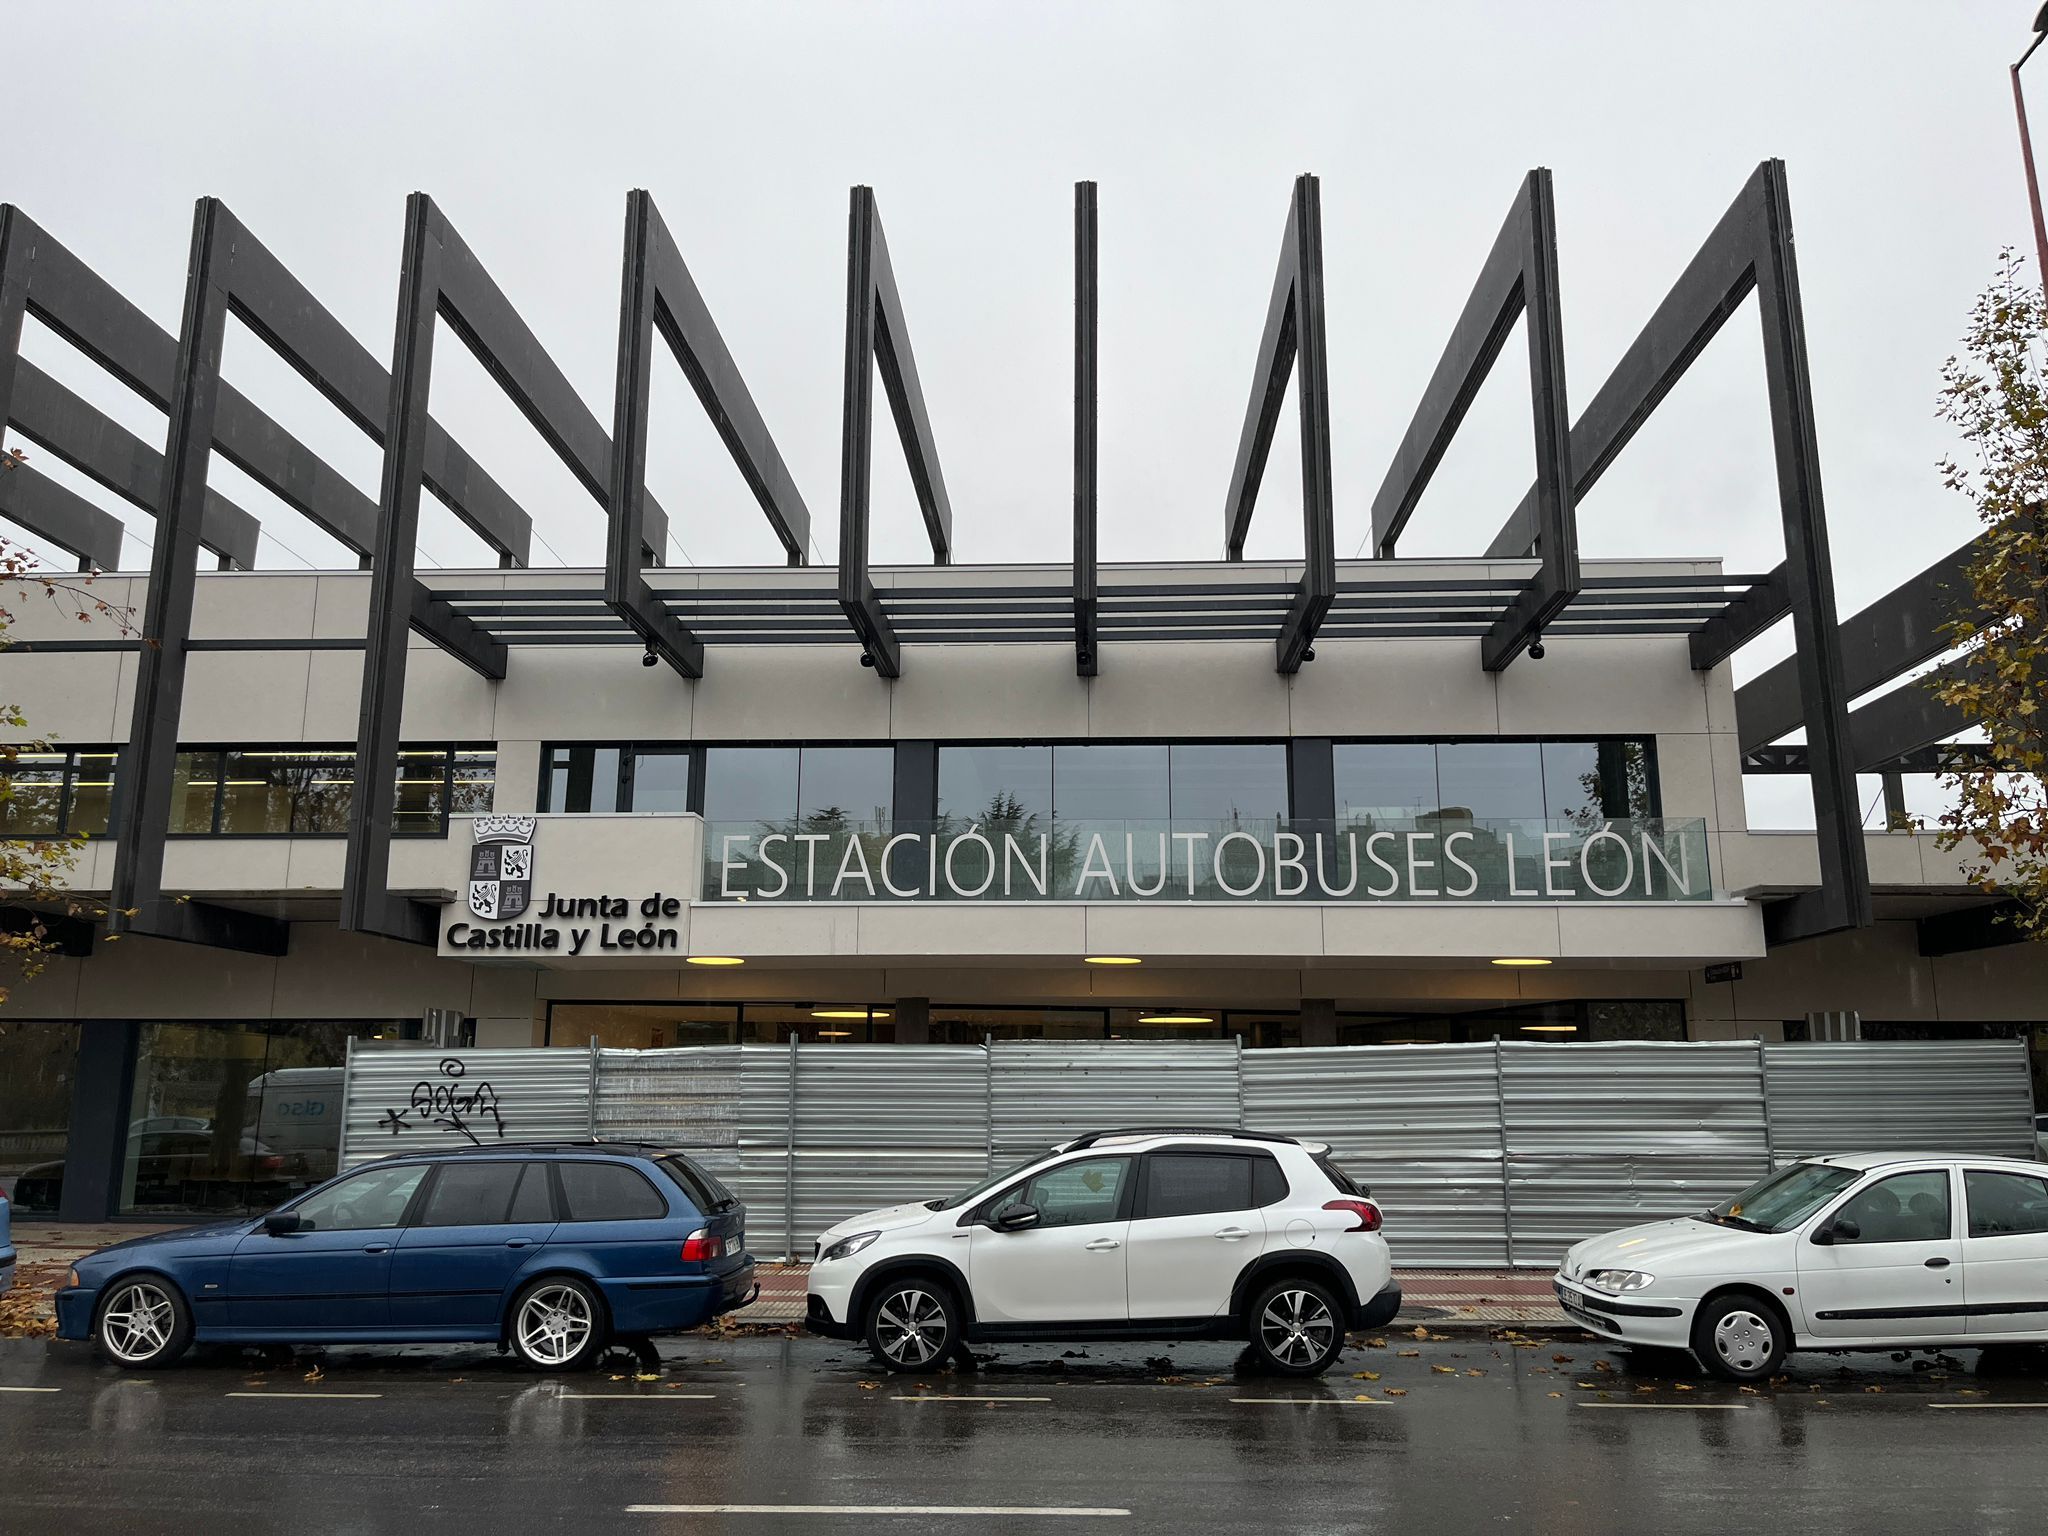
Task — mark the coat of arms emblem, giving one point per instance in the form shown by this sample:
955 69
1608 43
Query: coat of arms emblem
501 866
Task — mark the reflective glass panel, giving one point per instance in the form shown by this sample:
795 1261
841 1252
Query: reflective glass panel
1002 787
755 784
661 781
840 786
643 1026
1091 783
32 795
92 792
192 1143
476 783
422 799
37 1061
1231 782
1380 782
1571 782
1491 780
287 790
195 784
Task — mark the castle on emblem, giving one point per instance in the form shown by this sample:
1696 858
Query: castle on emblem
501 866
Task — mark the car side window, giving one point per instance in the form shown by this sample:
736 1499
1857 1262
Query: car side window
1905 1208
1074 1194
376 1197
1196 1183
608 1192
2004 1204
534 1200
470 1195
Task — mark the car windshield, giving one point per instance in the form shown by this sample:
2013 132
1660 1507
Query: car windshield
993 1182
1785 1199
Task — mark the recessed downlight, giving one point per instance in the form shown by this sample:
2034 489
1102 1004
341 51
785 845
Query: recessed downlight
1111 960
1551 1029
1175 1018
715 960
849 1013
835 1034
1519 960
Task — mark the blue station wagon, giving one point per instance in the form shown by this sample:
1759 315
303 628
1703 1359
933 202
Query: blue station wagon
551 1249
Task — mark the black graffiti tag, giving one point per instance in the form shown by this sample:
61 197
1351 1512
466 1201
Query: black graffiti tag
451 1104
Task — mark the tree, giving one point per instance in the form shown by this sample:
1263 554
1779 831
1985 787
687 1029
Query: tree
1996 396
35 870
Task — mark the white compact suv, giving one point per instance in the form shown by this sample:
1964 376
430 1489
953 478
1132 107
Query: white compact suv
1148 1233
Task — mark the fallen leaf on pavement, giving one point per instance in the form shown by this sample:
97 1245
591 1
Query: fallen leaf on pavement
1443 1370
1361 1397
871 1386
314 1374
1418 1332
1473 1370
1585 1383
1397 1391
1375 1343
647 1376
1408 1354
1365 1375
1682 1387
1562 1359
1557 1394
1602 1365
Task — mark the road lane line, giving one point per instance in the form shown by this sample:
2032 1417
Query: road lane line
1692 1407
1318 1402
1985 1405
307 1394
1044 1511
637 1397
959 1397
31 1389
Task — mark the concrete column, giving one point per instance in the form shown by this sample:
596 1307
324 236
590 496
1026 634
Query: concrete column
98 1136
1318 1021
913 1021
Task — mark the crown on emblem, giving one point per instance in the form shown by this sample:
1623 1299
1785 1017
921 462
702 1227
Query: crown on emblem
503 829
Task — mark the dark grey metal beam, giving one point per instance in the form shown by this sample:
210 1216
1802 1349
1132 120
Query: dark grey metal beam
876 329
1742 620
1296 328
1906 720
1087 643
658 294
1892 636
96 445
62 517
1518 277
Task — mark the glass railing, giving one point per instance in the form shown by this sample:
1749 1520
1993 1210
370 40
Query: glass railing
1441 858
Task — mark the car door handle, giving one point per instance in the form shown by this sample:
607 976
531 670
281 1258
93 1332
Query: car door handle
1232 1234
378 1248
517 1242
1937 1263
1102 1245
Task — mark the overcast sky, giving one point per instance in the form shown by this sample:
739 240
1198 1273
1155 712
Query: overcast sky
529 123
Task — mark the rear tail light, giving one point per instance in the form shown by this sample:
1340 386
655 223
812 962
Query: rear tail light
701 1245
1367 1213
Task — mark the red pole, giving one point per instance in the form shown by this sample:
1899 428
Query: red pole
2019 103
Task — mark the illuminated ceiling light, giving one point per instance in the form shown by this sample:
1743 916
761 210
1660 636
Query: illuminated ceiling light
1111 960
1175 1018
715 960
849 1013
835 1034
1521 960
1551 1029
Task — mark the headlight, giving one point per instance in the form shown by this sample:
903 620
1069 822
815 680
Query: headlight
1619 1279
847 1247
71 1280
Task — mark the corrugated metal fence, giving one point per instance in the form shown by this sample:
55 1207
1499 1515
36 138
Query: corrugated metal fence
1481 1155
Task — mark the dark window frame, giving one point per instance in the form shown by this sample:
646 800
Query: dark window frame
565 1208
1970 1208
1142 1210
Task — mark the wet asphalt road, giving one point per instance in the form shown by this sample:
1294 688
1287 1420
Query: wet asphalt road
390 1440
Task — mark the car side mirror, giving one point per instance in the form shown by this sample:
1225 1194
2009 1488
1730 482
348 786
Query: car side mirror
1841 1230
1015 1218
280 1223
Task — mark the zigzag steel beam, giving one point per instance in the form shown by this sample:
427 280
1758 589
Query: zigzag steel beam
1893 635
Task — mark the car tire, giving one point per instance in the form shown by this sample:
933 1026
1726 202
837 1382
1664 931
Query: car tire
1739 1338
143 1322
1296 1327
557 1324
913 1323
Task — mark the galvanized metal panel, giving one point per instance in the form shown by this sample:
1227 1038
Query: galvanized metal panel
1417 1125
1048 1091
1601 1136
1967 1096
686 1097
406 1098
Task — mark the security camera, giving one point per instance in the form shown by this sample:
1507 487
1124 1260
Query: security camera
867 658
1536 648
1309 654
650 659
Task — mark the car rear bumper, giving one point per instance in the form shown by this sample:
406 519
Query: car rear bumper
674 1304
1665 1324
1378 1311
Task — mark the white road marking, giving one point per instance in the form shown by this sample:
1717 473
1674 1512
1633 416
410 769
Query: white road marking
1314 1402
31 1389
1694 1407
1046 1511
960 1397
638 1397
1986 1405
307 1394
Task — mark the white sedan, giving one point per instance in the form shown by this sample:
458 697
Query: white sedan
1874 1251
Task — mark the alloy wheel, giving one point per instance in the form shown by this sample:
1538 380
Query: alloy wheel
911 1327
138 1321
554 1324
1743 1340
1297 1328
